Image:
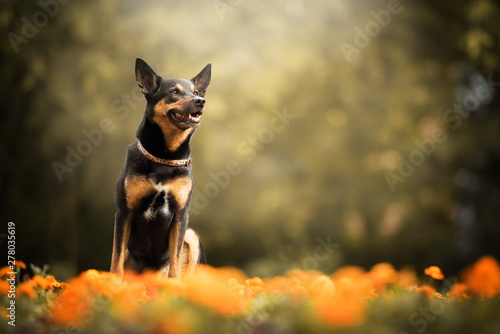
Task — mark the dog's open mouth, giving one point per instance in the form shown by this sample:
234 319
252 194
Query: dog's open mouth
186 118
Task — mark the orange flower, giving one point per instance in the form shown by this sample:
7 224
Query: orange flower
212 287
343 306
4 271
103 283
350 272
19 263
41 283
4 312
434 272
381 275
4 287
458 291
279 284
322 285
483 278
255 284
427 290
51 280
25 289
357 276
337 313
301 282
78 299
73 306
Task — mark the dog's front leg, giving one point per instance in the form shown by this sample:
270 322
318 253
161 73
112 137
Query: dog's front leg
175 238
121 237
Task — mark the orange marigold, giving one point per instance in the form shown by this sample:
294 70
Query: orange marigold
73 306
381 275
216 288
4 287
19 263
350 272
434 272
322 285
255 284
41 283
280 285
458 291
51 279
343 305
4 312
427 290
357 276
25 289
338 313
4 271
483 278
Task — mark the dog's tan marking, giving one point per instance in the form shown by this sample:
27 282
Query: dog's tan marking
190 252
118 258
180 188
173 248
193 88
180 88
173 136
136 188
163 272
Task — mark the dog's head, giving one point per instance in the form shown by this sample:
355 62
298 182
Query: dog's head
177 101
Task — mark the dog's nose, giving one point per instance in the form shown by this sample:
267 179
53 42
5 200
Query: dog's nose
199 101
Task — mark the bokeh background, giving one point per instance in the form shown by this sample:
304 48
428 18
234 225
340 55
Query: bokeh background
359 104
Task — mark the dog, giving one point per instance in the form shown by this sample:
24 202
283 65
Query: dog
154 189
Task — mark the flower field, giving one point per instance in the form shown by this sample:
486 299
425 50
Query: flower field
223 300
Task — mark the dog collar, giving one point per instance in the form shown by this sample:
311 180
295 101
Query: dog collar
172 163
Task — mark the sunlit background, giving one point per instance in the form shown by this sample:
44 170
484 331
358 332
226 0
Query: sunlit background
335 132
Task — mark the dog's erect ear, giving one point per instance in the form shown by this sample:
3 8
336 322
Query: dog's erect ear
202 80
148 80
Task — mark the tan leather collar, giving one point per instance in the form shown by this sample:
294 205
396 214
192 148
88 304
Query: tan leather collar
172 163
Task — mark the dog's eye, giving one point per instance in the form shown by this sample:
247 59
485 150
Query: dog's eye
195 93
175 92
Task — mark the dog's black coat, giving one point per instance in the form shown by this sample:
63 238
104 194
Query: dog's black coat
152 199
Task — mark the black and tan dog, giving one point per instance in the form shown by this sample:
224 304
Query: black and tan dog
154 189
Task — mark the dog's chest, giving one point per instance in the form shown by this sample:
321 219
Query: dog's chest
166 197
